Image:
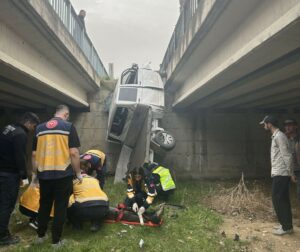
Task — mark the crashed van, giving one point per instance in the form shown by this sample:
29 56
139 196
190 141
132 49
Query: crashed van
137 91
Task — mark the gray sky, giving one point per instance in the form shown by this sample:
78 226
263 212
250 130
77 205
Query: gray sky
129 31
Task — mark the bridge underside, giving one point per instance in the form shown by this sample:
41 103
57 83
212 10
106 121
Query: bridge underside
262 73
36 70
275 85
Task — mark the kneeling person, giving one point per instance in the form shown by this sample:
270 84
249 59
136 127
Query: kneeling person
94 160
30 203
162 178
140 191
87 203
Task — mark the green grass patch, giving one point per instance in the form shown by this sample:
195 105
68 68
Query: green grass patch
195 228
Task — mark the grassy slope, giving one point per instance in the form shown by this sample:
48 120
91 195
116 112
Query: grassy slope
192 229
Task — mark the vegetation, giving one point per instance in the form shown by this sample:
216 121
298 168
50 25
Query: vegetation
194 228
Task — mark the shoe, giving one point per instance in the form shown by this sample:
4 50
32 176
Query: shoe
277 226
59 244
94 227
9 240
40 240
34 224
280 231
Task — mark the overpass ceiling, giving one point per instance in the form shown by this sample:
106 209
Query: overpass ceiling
20 91
265 77
273 85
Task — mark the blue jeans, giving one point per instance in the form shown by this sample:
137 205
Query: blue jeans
9 189
297 174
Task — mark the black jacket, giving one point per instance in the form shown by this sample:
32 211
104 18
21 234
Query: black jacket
13 140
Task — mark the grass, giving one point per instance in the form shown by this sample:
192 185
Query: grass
196 228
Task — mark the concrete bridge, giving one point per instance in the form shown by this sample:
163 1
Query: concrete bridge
229 62
46 56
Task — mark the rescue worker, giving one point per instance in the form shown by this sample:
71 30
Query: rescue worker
162 178
96 161
55 159
30 202
87 203
140 191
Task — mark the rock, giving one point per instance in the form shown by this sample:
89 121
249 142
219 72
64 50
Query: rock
141 243
236 237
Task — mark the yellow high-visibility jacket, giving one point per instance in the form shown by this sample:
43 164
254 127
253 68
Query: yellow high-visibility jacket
88 193
30 199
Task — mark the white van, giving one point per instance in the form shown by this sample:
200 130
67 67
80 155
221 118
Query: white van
138 88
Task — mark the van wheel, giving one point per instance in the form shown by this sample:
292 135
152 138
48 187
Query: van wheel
165 140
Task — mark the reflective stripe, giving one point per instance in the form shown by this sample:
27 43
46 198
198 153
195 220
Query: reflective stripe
53 167
151 194
63 132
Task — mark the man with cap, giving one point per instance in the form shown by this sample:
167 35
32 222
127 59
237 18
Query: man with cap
291 131
281 171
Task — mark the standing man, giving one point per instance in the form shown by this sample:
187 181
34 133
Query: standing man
55 156
282 166
291 131
13 139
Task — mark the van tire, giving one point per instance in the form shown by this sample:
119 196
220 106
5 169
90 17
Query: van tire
165 140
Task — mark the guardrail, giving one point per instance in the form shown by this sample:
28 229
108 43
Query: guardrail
69 18
187 14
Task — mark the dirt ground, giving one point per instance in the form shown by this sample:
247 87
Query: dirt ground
259 235
249 215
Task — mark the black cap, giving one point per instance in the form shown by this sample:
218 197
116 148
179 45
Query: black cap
269 119
290 121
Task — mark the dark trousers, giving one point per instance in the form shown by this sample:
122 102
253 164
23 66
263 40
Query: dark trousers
139 198
297 173
57 191
78 214
27 212
9 189
281 201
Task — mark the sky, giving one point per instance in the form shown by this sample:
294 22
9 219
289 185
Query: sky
129 31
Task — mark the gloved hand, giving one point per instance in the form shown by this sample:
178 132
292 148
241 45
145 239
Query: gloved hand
141 210
79 176
135 207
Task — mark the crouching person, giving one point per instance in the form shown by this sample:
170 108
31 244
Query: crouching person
87 203
30 203
162 178
140 191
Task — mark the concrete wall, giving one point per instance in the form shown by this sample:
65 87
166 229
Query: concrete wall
91 127
218 145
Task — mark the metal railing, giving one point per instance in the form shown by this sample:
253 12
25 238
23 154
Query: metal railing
76 28
187 14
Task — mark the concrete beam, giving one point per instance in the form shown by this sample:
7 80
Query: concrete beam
270 41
